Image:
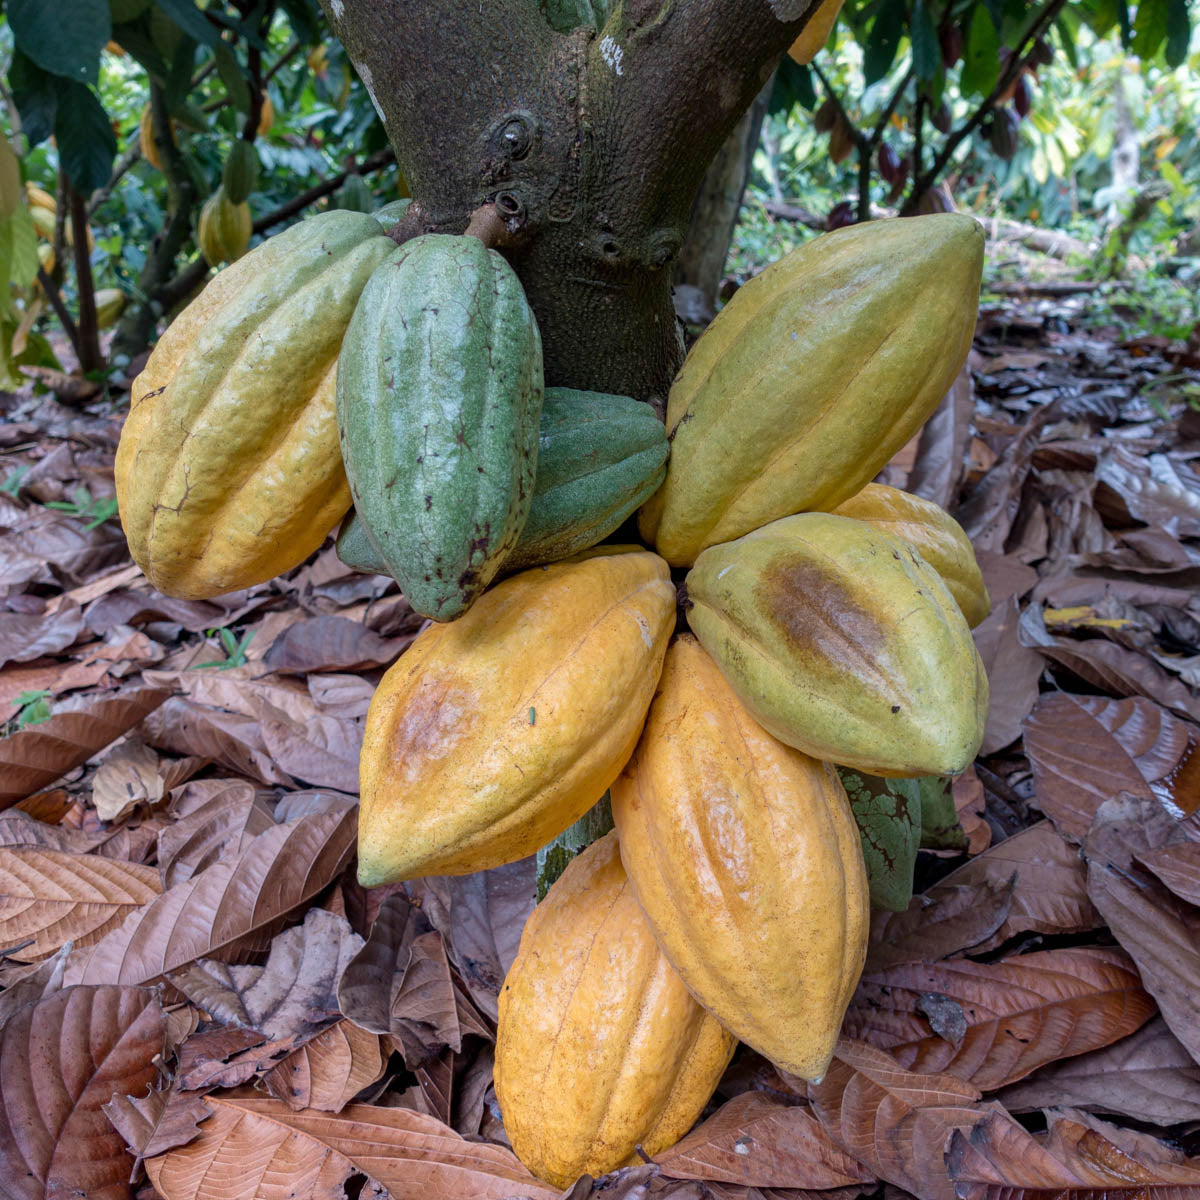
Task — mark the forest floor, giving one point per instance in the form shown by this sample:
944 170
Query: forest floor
178 785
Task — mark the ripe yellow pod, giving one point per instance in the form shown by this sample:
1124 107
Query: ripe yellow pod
934 533
146 141
816 33
599 1047
813 376
746 859
494 732
266 116
844 643
40 198
223 231
228 470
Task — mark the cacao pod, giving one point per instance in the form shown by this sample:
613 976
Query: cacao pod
889 163
841 140
391 212
816 33
146 140
825 117
43 225
223 231
439 397
240 175
951 40
832 359
746 861
1003 133
933 533
38 197
942 118
600 1051
110 303
1023 96
599 457
1042 52
840 215
228 469
45 253
266 116
843 642
935 201
494 732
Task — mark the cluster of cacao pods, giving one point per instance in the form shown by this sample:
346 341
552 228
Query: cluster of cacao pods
829 619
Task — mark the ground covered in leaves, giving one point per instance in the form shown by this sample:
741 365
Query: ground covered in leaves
200 1002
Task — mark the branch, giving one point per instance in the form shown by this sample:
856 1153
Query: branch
60 310
375 162
1036 27
130 156
90 358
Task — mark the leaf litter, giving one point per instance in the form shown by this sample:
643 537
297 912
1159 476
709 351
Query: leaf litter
199 1000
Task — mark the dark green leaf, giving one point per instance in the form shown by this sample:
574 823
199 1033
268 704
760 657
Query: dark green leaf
927 55
793 85
1067 39
880 50
303 16
888 812
179 75
1179 32
64 37
981 63
189 18
86 145
233 77
940 828
136 39
127 10
1149 28
36 97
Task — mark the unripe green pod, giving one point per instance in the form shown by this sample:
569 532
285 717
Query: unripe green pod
439 395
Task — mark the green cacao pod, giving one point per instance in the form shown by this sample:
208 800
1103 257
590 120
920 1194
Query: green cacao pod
845 643
813 376
110 303
391 212
355 195
240 175
228 469
439 396
599 457
223 232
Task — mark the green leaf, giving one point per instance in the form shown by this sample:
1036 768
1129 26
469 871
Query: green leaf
86 143
927 55
793 85
880 50
888 812
24 264
940 828
1149 28
232 76
136 39
304 17
179 75
36 97
981 62
127 10
191 20
1179 33
64 37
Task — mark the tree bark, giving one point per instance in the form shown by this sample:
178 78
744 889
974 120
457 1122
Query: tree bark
591 143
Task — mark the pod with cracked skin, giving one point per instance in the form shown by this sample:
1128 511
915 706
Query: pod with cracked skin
746 859
845 643
936 535
599 457
439 397
600 1050
813 376
228 470
493 733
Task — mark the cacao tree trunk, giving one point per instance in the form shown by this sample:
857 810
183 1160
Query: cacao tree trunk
591 143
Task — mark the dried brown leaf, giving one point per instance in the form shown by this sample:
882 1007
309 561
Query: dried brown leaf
895 1122
208 915
222 817
292 994
259 1149
48 898
61 1059
319 749
1160 932
25 985
1020 1013
329 1071
761 1142
227 1058
1087 748
1049 884
156 1122
26 636
330 643
1178 867
1148 1076
35 757
344 695
949 920
18 828
128 776
1013 671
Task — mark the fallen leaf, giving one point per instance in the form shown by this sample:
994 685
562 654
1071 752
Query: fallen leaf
1178 867
31 984
25 637
156 1122
128 776
291 995
1013 671
61 1059
34 758
344 695
48 897
1160 932
1085 749
319 749
1020 1013
210 914
332 643
259 1149
228 816
895 1122
1148 1076
761 1142
327 1072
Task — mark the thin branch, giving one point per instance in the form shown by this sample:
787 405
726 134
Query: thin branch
283 60
90 358
375 162
60 310
123 165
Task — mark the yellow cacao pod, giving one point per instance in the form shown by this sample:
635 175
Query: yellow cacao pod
845 643
223 231
39 198
146 141
45 253
496 731
816 33
934 533
266 116
600 1050
110 303
813 376
43 222
228 470
746 860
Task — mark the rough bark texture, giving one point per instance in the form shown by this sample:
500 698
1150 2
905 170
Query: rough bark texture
591 143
